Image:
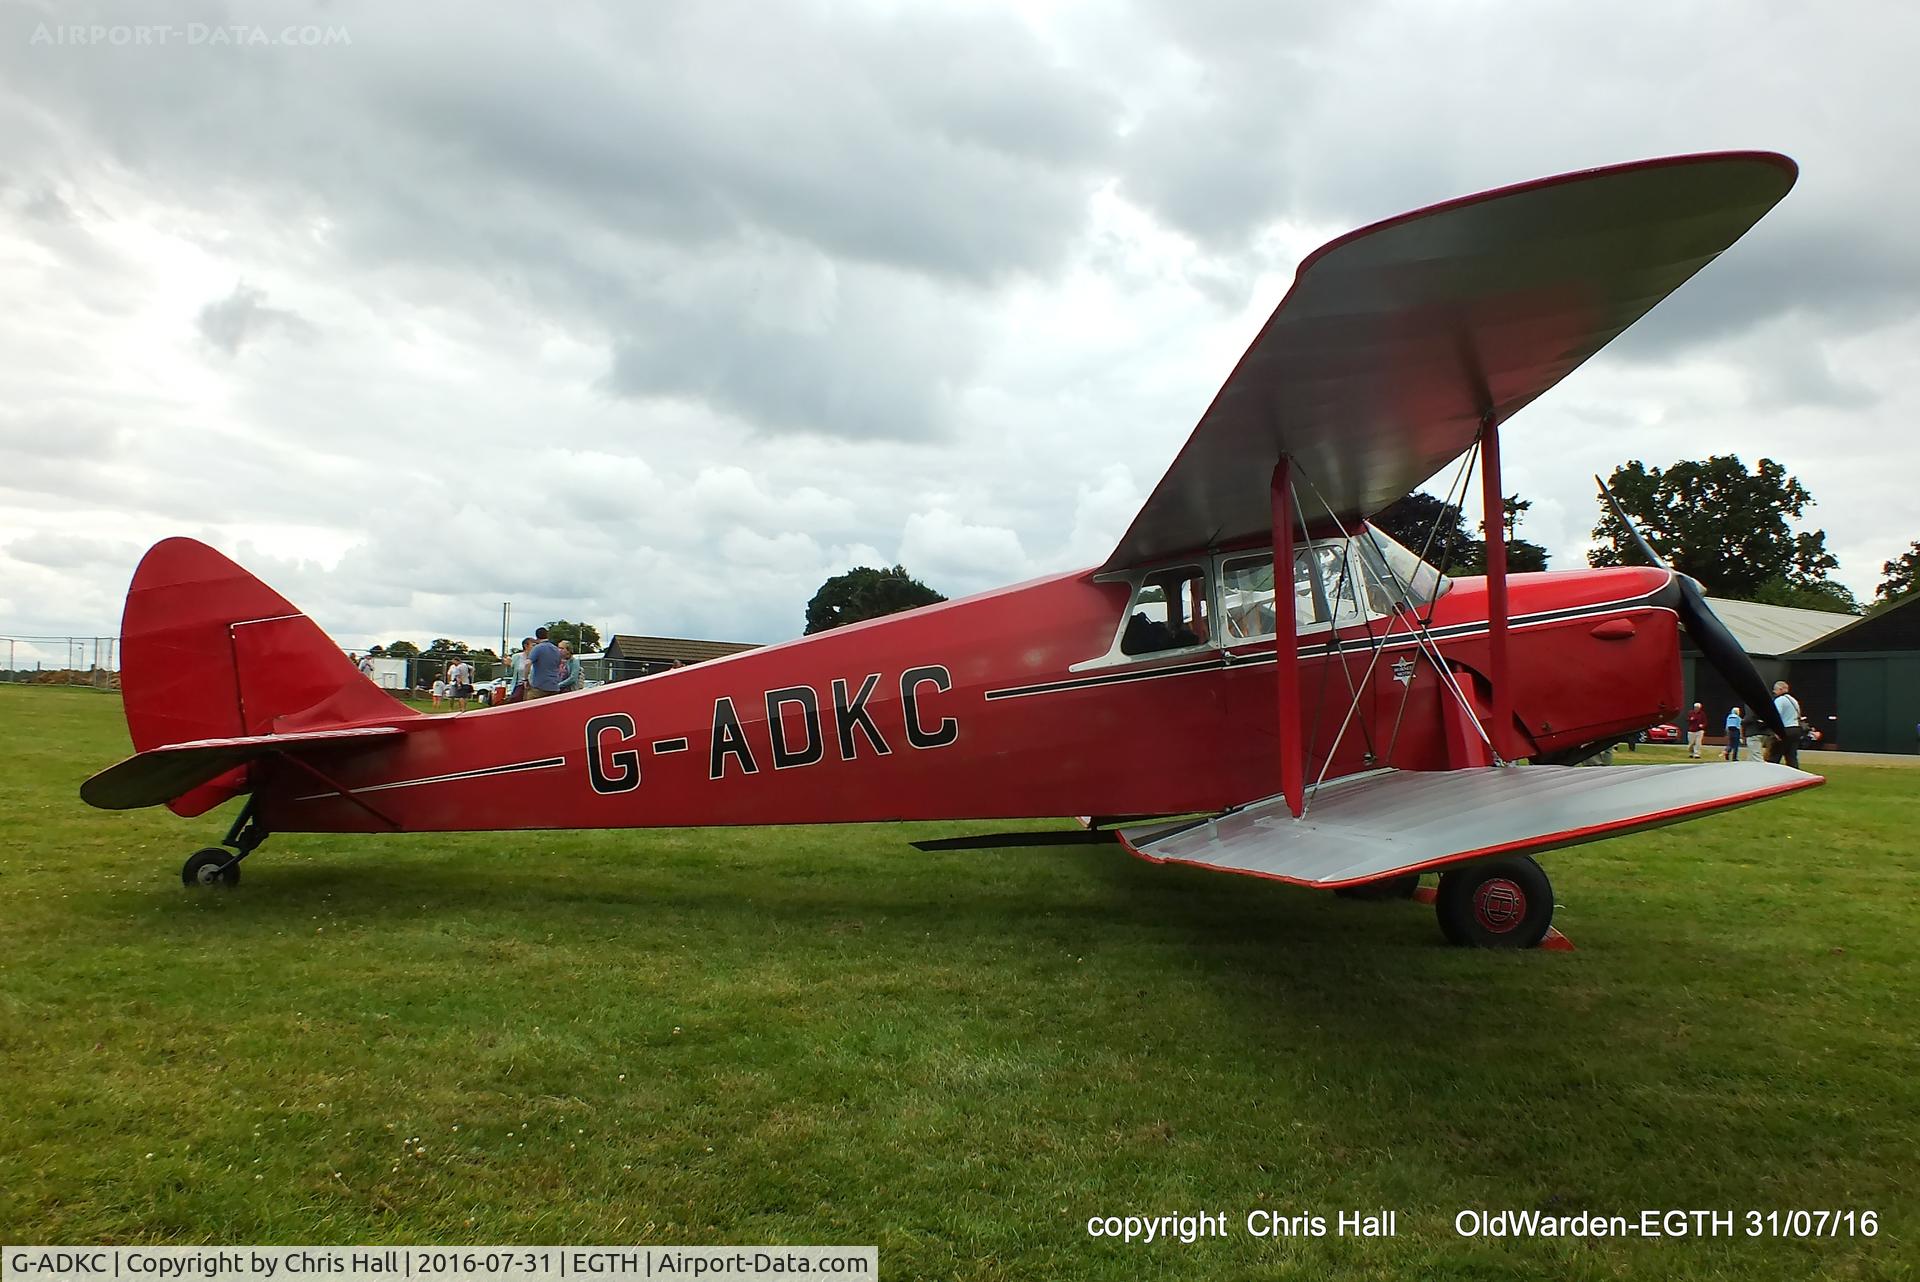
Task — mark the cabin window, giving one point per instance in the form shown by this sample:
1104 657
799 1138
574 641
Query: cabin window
1168 612
1326 589
1340 584
1246 598
1396 574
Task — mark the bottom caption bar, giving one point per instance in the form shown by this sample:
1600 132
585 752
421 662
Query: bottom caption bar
430 1264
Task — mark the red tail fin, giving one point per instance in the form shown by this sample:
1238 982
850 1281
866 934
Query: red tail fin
210 652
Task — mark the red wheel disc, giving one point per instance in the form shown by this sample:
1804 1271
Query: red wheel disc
1499 905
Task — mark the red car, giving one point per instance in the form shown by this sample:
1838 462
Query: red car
1666 732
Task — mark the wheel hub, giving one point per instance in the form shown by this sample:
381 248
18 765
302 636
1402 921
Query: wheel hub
1499 904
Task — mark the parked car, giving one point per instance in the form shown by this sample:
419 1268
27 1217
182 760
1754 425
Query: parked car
1665 732
494 691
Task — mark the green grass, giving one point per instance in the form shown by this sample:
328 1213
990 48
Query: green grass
823 1035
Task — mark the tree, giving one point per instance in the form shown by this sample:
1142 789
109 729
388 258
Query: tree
440 652
1902 575
1408 521
583 637
866 593
1719 523
1454 549
1523 556
1825 595
403 650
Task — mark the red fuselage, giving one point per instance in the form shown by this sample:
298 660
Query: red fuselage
995 707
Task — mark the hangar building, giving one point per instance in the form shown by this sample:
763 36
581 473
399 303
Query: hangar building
1868 671
1857 679
631 656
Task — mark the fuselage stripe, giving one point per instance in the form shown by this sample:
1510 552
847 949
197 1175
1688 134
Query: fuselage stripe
545 763
1353 645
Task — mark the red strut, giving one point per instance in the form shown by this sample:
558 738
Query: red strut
1493 503
1286 641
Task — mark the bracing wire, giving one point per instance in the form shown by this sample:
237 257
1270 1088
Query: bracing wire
1420 630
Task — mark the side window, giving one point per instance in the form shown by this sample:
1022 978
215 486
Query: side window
1309 600
1169 612
1325 588
1342 585
1246 598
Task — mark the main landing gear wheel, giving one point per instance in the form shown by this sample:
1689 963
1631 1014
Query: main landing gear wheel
211 867
1501 903
1401 887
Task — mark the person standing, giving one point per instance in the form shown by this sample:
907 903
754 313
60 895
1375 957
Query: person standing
439 691
460 678
548 667
1696 731
1735 724
522 670
1786 745
570 675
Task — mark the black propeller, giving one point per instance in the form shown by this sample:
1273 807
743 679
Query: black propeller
1719 646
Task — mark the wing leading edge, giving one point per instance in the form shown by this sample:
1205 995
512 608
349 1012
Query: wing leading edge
1394 821
1395 340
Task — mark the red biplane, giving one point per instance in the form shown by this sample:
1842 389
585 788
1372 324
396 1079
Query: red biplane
1349 725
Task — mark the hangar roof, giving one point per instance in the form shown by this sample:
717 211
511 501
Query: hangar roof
1892 627
670 648
1771 630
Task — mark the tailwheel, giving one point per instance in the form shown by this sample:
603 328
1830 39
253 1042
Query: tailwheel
212 866
1498 903
1401 887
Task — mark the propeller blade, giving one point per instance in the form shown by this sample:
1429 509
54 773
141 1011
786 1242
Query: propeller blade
1725 653
1646 548
1719 646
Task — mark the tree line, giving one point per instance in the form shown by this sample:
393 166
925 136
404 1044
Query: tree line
583 637
1714 519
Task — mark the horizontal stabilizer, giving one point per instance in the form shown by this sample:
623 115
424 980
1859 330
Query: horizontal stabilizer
1396 821
158 775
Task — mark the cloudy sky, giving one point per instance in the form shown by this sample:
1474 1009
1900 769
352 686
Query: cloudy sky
658 315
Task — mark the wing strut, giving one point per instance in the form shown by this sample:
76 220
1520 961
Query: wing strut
1286 641
1494 514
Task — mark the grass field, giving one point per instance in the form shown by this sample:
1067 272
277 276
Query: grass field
823 1035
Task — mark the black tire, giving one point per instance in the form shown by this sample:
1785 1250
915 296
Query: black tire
213 866
1401 887
1499 903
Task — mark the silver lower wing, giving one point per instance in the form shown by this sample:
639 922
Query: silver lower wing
1385 822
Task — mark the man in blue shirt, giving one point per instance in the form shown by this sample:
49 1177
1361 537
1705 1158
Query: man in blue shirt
1735 724
549 666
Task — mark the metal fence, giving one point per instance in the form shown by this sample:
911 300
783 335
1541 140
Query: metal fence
95 662
50 660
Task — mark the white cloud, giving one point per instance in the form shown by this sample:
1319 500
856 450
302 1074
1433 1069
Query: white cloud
660 319
961 557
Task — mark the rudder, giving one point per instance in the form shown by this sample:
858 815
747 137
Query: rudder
208 651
